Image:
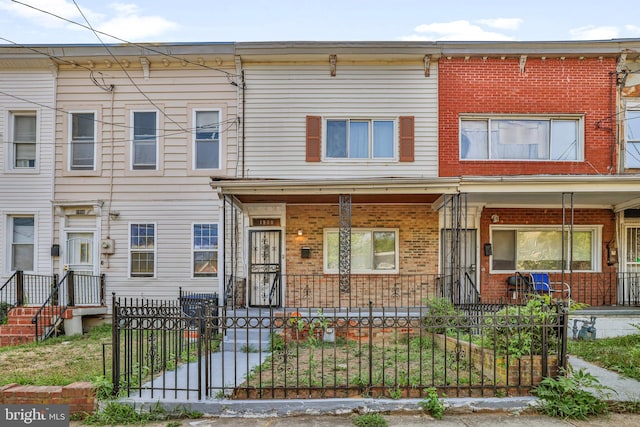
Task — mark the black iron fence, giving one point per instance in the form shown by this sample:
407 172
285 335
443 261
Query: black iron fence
162 350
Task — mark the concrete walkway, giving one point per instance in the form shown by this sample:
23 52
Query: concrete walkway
625 389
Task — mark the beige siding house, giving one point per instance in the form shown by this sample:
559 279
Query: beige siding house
27 117
140 132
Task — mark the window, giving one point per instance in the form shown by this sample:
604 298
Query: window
144 140
22 242
142 250
82 146
372 250
24 128
205 250
360 139
632 152
521 139
540 249
207 140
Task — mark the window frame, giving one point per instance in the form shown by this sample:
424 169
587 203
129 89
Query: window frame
596 245
214 251
370 143
371 230
578 118
70 157
631 108
13 151
156 140
195 141
131 251
10 218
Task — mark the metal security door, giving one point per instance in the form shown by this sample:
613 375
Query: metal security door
629 287
264 268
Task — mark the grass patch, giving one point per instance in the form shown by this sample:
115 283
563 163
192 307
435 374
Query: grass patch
57 361
618 354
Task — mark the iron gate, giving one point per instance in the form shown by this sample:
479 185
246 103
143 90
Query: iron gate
265 252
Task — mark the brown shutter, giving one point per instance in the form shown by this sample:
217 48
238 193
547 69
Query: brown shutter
407 139
314 133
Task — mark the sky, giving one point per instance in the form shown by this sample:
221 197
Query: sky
319 20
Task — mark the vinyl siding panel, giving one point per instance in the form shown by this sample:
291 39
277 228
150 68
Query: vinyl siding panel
280 97
27 192
174 196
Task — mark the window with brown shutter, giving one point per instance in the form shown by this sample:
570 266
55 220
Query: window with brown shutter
407 138
314 124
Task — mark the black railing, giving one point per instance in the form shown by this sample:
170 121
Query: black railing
161 352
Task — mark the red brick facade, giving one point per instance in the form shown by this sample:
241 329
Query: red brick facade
494 286
547 86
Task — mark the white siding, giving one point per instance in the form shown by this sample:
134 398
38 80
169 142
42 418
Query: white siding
174 196
279 97
27 192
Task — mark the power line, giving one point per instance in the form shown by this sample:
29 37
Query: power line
229 75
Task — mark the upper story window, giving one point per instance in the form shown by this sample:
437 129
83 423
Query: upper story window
142 250
207 140
22 238
517 138
145 140
541 249
632 140
360 139
23 140
82 144
372 250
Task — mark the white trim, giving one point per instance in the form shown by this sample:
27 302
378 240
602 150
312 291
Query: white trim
395 143
132 139
579 118
194 141
70 139
10 152
155 250
8 225
596 243
325 251
193 250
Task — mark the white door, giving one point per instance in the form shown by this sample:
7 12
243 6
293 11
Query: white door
629 286
81 257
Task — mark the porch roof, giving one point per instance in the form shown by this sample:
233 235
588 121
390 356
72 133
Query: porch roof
616 192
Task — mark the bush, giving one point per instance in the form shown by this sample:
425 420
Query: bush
442 316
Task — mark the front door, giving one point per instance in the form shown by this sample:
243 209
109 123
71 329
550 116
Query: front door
629 288
80 256
264 268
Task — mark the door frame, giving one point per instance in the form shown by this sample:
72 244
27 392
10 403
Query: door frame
282 251
95 250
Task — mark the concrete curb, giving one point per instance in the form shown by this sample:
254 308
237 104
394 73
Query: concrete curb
295 407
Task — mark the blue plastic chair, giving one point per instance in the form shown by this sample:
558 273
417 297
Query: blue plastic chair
540 283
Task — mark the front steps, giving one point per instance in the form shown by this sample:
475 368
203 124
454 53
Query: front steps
20 330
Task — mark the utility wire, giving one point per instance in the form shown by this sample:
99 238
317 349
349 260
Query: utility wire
229 75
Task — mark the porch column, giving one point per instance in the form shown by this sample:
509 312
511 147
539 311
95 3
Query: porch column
344 243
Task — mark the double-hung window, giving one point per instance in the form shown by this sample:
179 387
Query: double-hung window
82 145
543 248
22 237
521 138
145 140
205 250
207 140
24 135
142 247
360 139
372 250
632 140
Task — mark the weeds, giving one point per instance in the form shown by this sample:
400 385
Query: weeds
568 397
370 420
122 413
432 404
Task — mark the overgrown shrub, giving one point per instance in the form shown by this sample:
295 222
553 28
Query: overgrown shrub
441 317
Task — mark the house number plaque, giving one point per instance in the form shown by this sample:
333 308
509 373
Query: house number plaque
265 222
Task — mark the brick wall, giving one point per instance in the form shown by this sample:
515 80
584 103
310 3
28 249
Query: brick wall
549 86
494 286
80 396
418 252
